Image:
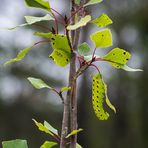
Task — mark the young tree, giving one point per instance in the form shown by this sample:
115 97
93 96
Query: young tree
67 50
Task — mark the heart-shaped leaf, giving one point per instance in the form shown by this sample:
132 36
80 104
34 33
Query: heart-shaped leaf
102 21
102 38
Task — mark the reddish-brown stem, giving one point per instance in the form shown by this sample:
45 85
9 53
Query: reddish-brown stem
94 53
40 42
58 13
95 67
56 23
74 13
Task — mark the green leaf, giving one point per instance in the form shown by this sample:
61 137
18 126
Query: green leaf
107 100
59 41
42 34
98 96
42 128
65 89
127 68
92 2
50 128
84 49
32 19
117 57
78 145
38 83
74 132
77 2
38 4
18 143
48 144
62 51
102 38
102 21
83 21
61 57
20 55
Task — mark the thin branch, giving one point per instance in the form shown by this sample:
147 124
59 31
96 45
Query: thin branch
74 13
57 13
41 42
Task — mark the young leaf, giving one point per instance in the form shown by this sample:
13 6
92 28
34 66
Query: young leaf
92 2
127 68
102 38
45 35
50 128
98 97
83 21
74 132
42 128
78 145
84 49
61 57
32 19
38 4
18 143
38 83
65 89
117 57
102 21
20 55
48 144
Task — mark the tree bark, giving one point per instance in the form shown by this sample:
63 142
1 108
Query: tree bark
70 103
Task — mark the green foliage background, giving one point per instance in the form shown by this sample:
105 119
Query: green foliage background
128 91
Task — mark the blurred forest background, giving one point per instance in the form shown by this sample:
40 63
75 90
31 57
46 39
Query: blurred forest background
20 102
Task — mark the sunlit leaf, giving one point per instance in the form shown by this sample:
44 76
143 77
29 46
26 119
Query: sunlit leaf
38 83
92 2
48 144
127 68
43 4
83 21
20 55
74 132
18 143
117 57
42 128
42 34
102 21
65 89
102 38
61 57
50 128
84 49
78 145
62 51
32 19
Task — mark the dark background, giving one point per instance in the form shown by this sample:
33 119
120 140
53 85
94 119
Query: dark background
20 102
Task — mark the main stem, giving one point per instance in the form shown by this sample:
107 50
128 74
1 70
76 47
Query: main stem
70 103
